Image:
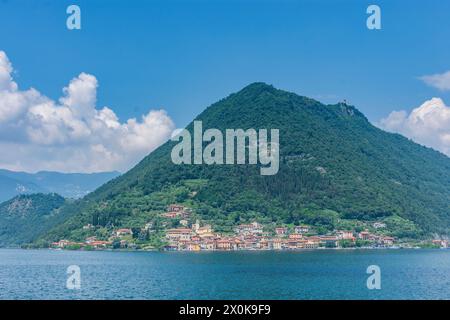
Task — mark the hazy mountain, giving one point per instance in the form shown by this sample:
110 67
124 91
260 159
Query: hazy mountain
10 187
335 165
69 185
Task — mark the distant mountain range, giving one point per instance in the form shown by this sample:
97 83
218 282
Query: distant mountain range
337 170
68 185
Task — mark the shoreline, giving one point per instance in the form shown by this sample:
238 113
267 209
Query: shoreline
242 250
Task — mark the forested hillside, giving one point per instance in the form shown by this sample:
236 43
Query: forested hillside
26 217
334 166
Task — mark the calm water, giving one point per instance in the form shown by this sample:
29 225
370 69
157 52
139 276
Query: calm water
405 274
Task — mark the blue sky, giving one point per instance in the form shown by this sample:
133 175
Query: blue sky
184 55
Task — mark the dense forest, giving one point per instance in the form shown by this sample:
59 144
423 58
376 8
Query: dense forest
334 166
26 217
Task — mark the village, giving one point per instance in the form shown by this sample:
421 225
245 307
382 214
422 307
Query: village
197 236
252 236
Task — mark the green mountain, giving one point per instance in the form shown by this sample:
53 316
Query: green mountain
26 217
335 169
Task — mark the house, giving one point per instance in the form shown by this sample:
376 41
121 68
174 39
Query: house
182 244
175 208
208 245
184 222
184 236
100 244
193 246
311 244
250 243
204 230
281 231
237 244
277 244
251 228
292 244
295 236
170 215
62 243
441 243
123 232
387 241
243 229
269 244
364 235
329 241
301 229
123 243
345 235
175 211
223 244
301 243
178 234
89 240
257 228
263 244
207 236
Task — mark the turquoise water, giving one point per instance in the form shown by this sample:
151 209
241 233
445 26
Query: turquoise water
323 274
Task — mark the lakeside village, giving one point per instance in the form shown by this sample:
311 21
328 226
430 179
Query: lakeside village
251 236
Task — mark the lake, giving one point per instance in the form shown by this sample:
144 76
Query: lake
316 274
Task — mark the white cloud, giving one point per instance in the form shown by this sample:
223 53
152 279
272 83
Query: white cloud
71 135
428 124
440 81
6 81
